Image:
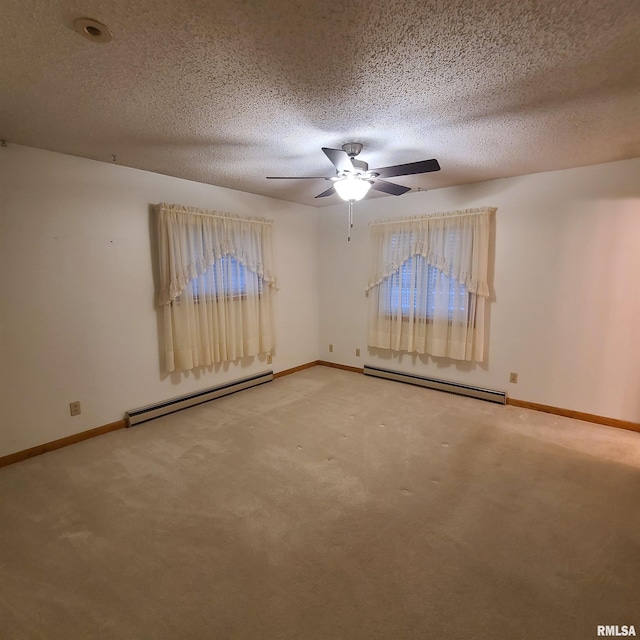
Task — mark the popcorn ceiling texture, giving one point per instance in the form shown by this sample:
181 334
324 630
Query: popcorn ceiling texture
228 92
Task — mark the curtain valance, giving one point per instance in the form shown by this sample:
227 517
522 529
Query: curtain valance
191 240
454 242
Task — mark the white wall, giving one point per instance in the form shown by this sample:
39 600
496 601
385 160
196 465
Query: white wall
78 319
565 313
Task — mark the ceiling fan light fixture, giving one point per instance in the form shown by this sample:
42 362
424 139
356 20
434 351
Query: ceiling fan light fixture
352 187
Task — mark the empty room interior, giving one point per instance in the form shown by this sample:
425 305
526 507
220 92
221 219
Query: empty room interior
320 320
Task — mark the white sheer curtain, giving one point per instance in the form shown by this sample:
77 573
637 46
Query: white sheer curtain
428 284
216 286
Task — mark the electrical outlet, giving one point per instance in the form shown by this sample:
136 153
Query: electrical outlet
269 358
513 377
330 348
74 408
357 353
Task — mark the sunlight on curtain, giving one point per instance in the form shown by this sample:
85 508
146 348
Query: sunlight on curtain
216 286
428 284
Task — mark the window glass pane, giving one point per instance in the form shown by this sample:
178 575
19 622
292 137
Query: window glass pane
226 277
413 289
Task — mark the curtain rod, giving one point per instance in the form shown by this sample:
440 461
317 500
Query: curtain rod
201 212
443 214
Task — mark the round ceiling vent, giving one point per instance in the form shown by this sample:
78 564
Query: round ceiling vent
92 30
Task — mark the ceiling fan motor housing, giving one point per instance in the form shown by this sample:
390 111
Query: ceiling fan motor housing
352 148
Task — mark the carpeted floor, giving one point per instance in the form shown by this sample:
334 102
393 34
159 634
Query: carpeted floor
327 505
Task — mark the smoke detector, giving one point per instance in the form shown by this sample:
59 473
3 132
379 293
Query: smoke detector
92 30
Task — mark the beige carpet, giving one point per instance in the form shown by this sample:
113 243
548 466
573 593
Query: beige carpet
327 505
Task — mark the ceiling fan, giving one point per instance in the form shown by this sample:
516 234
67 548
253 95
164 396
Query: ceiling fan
353 178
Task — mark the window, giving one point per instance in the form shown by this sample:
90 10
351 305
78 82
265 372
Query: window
427 285
217 284
225 278
405 287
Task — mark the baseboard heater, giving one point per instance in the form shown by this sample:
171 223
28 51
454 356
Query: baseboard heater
136 416
499 397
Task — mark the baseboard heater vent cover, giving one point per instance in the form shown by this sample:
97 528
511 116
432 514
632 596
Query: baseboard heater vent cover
136 416
499 397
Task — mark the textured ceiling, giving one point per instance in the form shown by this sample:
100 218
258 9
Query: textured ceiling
227 92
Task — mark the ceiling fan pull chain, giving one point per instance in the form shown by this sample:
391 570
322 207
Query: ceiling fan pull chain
350 220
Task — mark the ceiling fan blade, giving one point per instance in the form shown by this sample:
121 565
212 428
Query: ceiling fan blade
389 187
409 169
329 192
339 158
298 178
